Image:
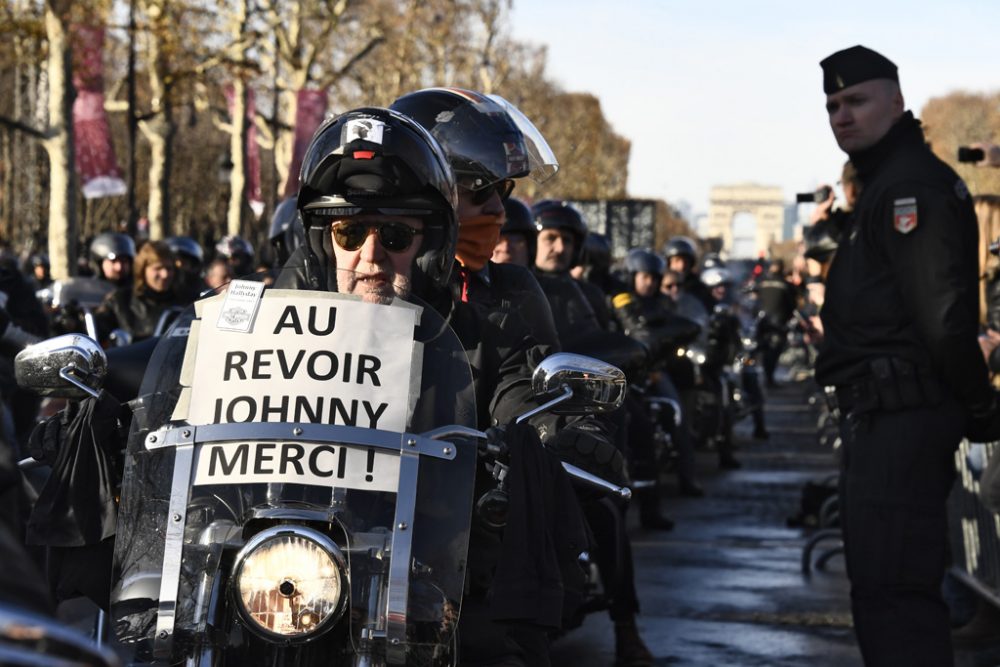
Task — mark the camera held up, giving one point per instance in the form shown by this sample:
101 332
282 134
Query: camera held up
817 197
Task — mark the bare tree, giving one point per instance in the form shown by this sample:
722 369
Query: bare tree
316 43
58 141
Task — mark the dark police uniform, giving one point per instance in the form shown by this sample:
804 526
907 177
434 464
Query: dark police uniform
900 322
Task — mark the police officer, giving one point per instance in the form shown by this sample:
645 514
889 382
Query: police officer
900 322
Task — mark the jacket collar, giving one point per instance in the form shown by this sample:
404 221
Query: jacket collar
906 131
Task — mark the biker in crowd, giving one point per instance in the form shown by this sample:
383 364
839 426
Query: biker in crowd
237 252
645 314
190 262
139 308
776 302
111 257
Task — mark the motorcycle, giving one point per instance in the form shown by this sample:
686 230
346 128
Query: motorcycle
299 479
726 376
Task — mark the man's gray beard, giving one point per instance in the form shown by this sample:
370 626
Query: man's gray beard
347 283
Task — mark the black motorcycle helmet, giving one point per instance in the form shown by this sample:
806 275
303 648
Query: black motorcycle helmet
681 246
518 220
596 255
110 245
553 214
233 246
287 233
487 139
644 260
238 252
185 246
374 160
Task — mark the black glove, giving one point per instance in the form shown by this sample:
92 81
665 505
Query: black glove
984 422
588 445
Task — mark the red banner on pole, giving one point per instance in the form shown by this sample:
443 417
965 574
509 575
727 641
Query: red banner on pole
310 109
95 154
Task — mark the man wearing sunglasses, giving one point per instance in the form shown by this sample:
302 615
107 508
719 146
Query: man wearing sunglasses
489 144
376 252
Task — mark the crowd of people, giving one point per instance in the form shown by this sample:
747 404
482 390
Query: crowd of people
517 281
418 199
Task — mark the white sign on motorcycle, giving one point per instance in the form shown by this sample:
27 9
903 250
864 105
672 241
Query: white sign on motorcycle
313 464
309 357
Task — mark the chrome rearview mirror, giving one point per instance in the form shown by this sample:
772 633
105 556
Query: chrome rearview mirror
581 385
69 366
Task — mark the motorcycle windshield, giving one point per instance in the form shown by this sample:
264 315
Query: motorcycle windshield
283 487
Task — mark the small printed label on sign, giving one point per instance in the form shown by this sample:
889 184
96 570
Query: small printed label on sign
310 464
241 304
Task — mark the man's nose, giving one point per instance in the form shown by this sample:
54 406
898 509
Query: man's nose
493 205
842 116
372 250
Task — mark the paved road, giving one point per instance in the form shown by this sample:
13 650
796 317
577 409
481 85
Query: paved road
725 587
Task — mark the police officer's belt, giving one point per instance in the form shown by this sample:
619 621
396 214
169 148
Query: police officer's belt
892 384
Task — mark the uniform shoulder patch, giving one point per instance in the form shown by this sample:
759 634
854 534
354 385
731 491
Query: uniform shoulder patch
904 214
621 300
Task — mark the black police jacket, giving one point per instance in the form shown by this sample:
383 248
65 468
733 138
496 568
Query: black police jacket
904 282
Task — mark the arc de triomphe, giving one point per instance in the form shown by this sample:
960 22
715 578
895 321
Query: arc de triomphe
747 217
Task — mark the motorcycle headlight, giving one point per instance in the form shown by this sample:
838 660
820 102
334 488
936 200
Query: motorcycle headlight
290 582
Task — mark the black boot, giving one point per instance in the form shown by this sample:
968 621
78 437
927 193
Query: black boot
630 650
650 516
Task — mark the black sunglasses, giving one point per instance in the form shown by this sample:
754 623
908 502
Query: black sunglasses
394 236
480 195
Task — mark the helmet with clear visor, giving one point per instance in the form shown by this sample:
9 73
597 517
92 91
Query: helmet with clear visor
487 139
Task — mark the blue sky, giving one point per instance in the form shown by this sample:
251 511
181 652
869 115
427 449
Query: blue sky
727 92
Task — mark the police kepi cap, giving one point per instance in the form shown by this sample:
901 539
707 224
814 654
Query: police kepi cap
853 66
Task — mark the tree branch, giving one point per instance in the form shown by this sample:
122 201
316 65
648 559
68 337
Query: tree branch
22 127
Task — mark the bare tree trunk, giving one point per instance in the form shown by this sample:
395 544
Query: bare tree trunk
160 133
240 126
284 139
238 153
59 144
161 129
